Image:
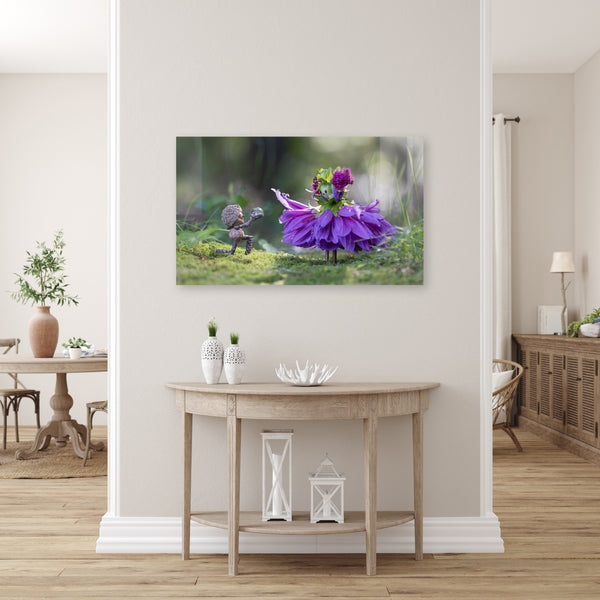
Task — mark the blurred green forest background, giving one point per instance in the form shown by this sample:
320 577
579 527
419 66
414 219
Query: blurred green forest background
213 172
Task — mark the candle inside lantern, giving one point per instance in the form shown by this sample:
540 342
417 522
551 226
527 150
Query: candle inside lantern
327 506
277 475
277 505
326 485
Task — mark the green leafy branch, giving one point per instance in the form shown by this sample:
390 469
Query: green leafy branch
43 279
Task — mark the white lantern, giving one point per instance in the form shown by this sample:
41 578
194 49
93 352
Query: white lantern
277 475
326 494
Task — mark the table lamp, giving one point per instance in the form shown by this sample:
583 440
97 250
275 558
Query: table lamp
562 262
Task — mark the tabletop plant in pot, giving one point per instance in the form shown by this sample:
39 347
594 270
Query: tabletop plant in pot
592 318
43 282
74 346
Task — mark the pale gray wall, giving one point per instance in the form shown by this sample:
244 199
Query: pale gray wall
542 187
587 185
53 172
389 67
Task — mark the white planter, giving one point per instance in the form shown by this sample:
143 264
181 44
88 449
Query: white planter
75 353
590 330
212 360
234 363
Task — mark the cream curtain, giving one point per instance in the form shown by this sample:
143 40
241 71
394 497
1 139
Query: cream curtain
502 246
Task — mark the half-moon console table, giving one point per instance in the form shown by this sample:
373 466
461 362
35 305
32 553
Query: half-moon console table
366 401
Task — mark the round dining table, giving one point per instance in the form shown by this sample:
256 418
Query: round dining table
61 426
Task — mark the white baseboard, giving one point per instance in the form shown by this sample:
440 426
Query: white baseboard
148 535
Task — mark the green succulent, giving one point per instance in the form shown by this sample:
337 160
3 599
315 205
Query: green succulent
76 343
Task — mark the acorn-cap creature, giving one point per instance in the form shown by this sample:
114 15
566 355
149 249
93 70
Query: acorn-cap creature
233 218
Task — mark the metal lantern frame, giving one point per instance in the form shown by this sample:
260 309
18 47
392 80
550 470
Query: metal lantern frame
326 484
277 493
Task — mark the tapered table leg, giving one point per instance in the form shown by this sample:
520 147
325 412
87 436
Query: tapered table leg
234 431
418 482
370 458
187 485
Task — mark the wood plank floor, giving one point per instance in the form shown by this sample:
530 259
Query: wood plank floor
548 502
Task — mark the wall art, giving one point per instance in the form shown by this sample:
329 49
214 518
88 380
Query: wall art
299 210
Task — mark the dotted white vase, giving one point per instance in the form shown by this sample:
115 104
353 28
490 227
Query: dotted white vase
212 360
234 363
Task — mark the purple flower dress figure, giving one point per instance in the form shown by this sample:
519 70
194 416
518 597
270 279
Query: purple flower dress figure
336 222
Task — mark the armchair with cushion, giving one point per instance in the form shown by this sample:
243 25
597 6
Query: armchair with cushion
505 380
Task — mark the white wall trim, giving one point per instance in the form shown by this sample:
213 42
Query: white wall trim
162 535
114 251
486 261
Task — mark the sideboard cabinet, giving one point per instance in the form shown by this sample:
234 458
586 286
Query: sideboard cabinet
559 394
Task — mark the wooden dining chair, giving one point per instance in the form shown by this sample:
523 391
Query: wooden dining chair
11 397
505 380
92 409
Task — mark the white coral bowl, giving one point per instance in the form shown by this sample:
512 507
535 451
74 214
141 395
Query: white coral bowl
309 375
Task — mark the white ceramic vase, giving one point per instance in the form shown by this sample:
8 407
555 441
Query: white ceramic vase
212 359
75 353
234 363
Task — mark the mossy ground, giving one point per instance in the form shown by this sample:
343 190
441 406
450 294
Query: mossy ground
201 264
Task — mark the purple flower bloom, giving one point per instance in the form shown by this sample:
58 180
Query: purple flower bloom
298 221
342 178
355 227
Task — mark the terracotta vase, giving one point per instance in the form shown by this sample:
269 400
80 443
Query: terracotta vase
43 333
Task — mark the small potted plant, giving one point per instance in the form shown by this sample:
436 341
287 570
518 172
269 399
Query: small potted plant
42 282
74 345
234 361
212 355
592 318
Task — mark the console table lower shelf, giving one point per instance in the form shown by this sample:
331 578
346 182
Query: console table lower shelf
354 522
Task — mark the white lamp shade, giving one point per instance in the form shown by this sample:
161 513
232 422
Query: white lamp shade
562 262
